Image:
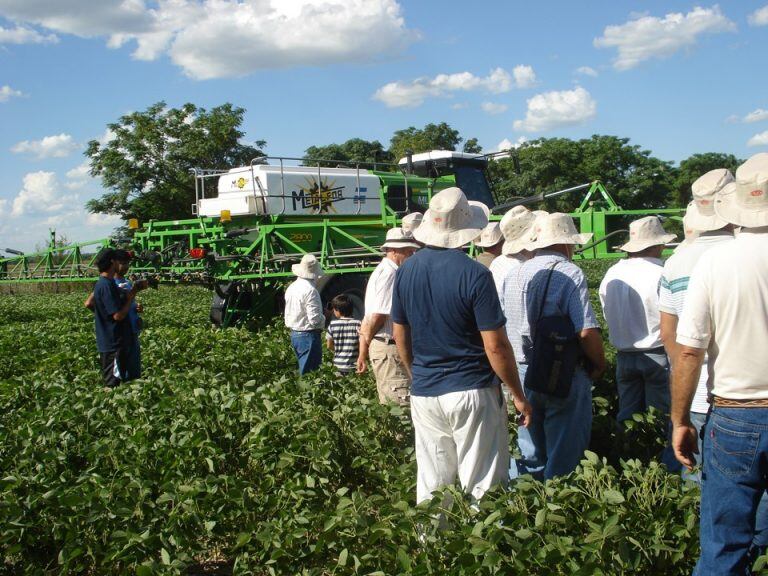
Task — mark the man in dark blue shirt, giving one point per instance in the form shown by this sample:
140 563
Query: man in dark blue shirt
449 330
111 307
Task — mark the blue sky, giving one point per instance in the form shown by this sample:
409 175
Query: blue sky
676 77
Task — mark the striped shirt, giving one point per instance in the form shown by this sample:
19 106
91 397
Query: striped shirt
523 290
344 333
674 287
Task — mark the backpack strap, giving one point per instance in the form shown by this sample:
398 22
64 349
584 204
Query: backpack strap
546 289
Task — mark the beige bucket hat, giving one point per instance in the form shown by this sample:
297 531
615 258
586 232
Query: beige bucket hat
646 232
517 228
701 211
308 268
399 238
490 236
745 202
556 228
410 222
452 221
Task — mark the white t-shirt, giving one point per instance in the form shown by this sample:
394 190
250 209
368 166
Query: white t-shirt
726 312
629 295
378 294
303 307
502 266
674 288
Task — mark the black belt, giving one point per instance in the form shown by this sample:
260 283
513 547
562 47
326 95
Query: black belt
385 339
657 350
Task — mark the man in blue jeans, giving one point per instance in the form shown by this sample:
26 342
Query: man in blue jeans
304 314
560 429
724 316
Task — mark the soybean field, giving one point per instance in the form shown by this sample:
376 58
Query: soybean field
220 460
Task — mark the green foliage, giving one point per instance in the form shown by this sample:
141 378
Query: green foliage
146 165
221 456
352 151
431 137
634 178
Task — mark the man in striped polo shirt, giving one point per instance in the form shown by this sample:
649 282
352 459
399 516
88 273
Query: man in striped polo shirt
343 335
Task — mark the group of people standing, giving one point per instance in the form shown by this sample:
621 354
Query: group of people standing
452 337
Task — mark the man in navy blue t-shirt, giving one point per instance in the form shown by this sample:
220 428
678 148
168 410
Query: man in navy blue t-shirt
450 333
111 306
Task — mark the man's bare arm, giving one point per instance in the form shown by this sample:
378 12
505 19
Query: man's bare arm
592 345
668 325
685 377
368 329
502 358
402 336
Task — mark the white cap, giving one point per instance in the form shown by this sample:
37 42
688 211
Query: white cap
452 221
646 232
556 228
309 268
490 236
745 203
701 211
398 238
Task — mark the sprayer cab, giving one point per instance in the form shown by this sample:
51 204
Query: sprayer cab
469 171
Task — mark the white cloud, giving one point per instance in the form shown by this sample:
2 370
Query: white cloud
226 38
459 106
6 93
78 176
525 77
586 71
554 109
647 37
493 107
760 139
759 17
40 194
507 144
100 220
22 35
3 204
756 116
414 93
59 146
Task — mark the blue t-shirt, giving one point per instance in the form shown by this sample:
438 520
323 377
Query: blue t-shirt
107 300
133 314
447 299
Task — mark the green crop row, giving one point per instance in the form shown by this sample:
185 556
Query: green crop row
221 460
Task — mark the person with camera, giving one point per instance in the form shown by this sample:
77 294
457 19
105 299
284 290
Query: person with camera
111 307
547 306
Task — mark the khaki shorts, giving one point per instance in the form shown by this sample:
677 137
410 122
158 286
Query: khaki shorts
392 380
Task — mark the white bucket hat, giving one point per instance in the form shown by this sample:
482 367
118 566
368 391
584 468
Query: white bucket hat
646 232
745 202
701 211
398 238
452 221
490 236
517 228
556 228
410 222
308 268
690 234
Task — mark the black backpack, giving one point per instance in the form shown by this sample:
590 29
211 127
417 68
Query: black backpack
555 353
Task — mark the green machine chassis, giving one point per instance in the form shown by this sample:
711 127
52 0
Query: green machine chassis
247 260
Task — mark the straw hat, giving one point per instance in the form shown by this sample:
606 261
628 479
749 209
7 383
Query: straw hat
517 227
398 238
556 228
701 211
410 222
490 236
452 221
646 232
745 202
308 268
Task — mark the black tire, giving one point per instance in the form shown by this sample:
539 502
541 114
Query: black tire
231 304
353 285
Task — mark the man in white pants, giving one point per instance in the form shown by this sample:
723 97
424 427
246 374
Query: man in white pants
449 330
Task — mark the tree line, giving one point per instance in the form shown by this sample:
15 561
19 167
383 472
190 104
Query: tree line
146 163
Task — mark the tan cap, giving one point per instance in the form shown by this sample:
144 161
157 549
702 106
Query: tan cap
646 232
309 268
398 238
556 228
517 228
701 211
490 236
452 221
745 202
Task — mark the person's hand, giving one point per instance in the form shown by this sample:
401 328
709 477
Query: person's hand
139 307
524 411
361 365
685 444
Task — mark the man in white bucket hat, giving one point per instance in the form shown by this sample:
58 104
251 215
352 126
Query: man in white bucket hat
450 333
629 295
516 226
491 241
724 317
304 313
707 231
550 285
377 343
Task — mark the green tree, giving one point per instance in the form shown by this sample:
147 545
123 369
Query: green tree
351 152
693 167
146 166
631 175
431 137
